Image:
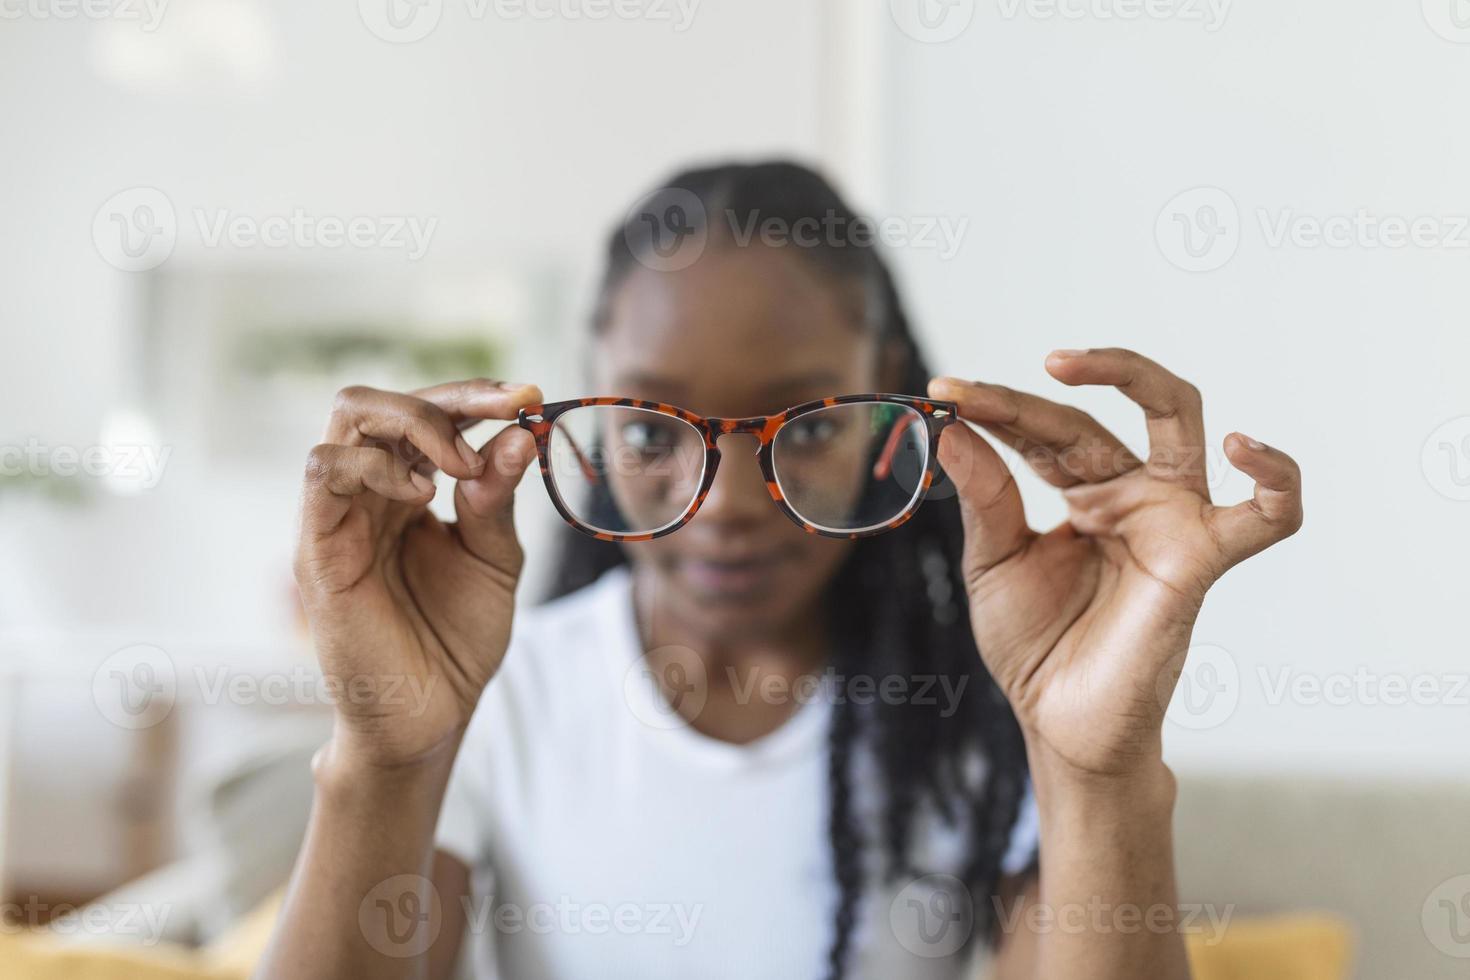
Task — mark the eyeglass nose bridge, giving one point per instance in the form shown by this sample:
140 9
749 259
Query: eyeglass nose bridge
763 427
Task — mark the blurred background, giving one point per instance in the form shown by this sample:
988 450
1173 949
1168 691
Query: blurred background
219 212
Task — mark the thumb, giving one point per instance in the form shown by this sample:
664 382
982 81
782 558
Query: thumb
990 502
485 504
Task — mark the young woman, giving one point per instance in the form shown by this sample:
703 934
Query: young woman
630 783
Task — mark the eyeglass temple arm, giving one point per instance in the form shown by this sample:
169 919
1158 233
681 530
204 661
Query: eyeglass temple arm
883 466
587 469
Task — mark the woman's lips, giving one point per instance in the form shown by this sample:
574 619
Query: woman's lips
730 577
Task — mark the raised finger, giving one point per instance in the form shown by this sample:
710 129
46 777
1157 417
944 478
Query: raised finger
412 427
477 399
337 474
1171 406
1064 445
1274 511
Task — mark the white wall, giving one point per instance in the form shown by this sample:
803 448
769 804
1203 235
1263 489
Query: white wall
525 139
1060 141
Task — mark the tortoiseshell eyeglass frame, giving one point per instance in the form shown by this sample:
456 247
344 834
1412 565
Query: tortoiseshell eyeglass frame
540 420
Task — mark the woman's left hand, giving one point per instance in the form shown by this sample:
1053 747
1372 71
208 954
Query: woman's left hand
1085 626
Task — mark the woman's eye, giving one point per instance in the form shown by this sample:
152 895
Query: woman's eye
812 432
646 436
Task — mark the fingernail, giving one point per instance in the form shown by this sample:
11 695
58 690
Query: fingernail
472 459
1068 352
1252 442
509 385
424 484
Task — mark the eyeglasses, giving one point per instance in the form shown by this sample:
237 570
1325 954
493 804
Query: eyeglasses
621 469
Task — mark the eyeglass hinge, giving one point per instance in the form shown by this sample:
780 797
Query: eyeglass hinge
535 418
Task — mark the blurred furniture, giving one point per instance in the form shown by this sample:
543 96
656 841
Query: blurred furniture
1313 872
136 805
1371 852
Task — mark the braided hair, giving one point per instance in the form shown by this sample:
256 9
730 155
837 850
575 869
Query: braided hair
923 757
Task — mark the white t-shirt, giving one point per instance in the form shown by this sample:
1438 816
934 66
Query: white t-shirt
609 840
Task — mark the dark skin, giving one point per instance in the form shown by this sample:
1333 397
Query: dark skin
741 584
1081 625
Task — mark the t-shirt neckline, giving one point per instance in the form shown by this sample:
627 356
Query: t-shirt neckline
655 716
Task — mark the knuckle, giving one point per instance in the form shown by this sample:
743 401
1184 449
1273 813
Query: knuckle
349 396
319 462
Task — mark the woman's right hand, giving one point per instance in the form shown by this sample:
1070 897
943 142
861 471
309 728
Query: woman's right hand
411 616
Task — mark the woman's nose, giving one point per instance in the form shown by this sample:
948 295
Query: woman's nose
739 494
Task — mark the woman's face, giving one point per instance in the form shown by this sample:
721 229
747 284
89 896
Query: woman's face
741 332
